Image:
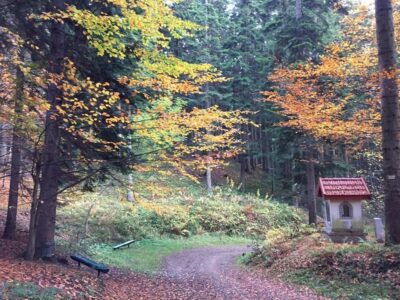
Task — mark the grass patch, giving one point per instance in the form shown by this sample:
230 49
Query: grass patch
244 260
20 290
146 255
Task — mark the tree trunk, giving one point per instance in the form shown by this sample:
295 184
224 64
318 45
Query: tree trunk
242 161
11 223
207 103
347 162
33 221
86 223
209 180
299 11
51 171
390 118
3 147
130 195
263 135
292 179
253 163
254 150
312 203
273 166
267 157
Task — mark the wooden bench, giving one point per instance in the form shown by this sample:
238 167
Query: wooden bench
126 244
100 268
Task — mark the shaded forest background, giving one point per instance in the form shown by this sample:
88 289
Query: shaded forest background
268 94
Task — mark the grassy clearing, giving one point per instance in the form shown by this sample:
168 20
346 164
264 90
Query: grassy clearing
168 215
146 255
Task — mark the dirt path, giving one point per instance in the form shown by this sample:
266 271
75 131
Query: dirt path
198 274
211 273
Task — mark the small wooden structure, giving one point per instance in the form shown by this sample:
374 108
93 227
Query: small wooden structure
126 244
342 207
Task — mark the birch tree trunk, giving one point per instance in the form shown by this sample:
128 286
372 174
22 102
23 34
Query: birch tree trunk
390 118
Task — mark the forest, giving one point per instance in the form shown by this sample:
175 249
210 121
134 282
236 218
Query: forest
199 149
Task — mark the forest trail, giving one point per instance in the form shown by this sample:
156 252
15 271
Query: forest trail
205 273
198 274
212 273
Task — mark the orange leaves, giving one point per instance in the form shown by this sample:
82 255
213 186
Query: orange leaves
335 98
324 106
317 106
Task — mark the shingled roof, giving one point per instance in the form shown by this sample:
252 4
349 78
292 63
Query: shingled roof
343 189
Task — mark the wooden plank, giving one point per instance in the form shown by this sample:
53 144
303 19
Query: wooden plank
119 246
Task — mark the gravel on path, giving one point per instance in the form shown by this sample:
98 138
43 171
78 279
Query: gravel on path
212 273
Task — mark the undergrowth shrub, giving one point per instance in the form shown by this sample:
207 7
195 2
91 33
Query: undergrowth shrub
99 218
364 271
282 243
362 262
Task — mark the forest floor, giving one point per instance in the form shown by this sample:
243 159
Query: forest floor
210 272
203 273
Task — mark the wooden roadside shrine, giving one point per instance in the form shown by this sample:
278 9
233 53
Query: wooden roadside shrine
342 207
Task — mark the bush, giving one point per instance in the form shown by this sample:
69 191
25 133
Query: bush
347 271
362 262
365 271
281 243
94 218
